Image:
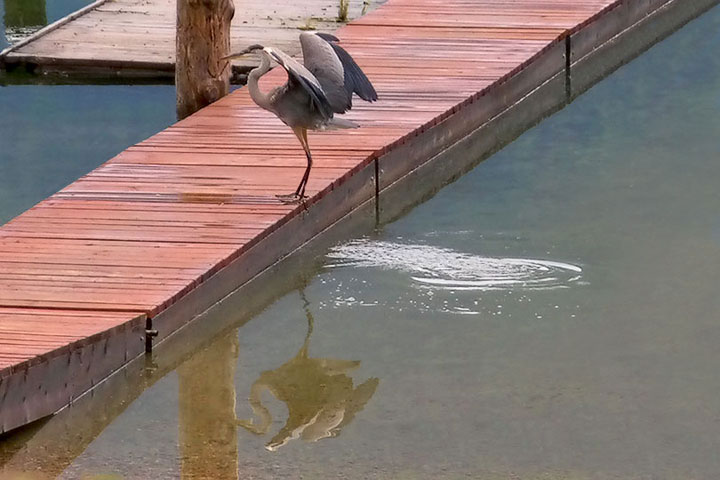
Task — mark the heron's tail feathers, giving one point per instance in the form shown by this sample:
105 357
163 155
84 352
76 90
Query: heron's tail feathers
338 123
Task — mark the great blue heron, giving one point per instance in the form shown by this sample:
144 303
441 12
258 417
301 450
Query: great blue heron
313 93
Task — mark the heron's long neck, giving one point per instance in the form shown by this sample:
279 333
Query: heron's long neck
258 96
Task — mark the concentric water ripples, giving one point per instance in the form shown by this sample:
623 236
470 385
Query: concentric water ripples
439 279
449 269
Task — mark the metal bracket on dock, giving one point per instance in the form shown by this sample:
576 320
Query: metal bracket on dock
150 333
568 62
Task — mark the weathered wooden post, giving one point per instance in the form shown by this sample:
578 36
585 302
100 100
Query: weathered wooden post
203 38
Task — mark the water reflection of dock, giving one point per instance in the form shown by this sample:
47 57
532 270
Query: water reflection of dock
318 392
123 257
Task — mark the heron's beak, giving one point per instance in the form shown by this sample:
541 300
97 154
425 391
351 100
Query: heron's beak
236 55
249 49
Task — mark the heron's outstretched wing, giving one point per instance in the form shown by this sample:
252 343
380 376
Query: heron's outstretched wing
336 70
301 76
320 58
355 79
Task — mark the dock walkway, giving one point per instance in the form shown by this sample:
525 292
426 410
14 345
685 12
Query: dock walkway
159 233
136 38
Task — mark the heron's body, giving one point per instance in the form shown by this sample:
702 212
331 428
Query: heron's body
314 92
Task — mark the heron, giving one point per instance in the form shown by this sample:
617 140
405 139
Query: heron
314 92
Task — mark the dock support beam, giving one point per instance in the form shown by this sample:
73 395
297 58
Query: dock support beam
203 38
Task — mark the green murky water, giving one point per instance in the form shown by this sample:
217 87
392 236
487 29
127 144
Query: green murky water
551 315
19 18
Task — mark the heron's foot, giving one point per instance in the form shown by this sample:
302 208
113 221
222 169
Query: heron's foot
291 198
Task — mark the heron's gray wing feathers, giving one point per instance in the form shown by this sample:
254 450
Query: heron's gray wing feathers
355 79
320 58
298 74
328 37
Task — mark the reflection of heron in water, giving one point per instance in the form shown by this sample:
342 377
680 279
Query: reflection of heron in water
320 397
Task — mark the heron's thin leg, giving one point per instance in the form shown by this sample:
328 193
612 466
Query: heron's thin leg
302 136
297 196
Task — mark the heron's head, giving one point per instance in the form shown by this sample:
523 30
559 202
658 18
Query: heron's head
250 49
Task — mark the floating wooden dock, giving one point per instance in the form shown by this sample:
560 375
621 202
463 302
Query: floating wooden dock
136 38
155 236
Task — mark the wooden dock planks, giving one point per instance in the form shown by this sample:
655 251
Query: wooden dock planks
189 214
29 333
136 38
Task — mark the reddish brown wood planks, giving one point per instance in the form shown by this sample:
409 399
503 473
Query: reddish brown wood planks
30 333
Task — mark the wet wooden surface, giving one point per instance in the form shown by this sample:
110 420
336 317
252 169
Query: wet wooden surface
137 37
139 233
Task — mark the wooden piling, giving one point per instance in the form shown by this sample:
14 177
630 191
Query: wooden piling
203 39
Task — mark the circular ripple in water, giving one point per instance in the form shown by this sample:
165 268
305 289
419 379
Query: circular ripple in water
448 269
